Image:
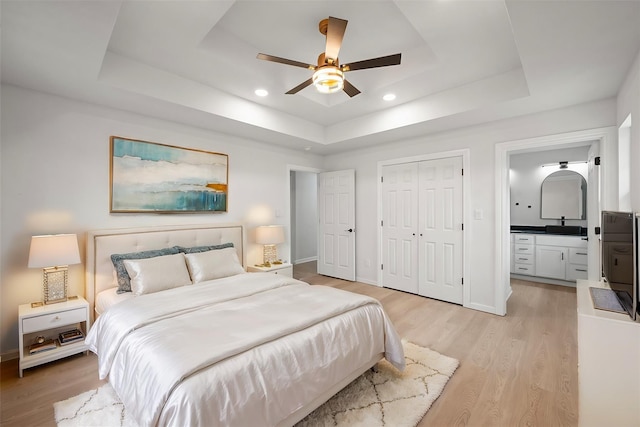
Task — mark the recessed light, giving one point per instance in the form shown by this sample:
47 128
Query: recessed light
261 92
389 97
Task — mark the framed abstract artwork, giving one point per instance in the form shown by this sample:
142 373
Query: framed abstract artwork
151 177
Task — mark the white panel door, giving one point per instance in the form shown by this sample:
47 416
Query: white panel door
336 240
440 229
399 227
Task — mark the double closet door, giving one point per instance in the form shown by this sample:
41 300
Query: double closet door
422 228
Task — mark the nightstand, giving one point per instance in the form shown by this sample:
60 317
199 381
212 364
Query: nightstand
285 269
48 321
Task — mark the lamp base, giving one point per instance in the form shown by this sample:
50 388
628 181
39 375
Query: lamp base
269 254
55 301
54 285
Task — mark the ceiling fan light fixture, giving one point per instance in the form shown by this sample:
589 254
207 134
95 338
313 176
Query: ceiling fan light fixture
328 76
328 79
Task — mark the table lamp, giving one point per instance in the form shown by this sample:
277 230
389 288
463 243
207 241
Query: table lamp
270 236
54 253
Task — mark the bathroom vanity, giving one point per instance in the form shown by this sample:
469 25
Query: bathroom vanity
554 253
547 255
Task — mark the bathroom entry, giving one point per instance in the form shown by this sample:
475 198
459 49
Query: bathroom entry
548 200
304 216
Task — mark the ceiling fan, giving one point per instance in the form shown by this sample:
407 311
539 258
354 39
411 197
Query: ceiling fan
328 76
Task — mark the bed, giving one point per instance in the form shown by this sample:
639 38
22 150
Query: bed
232 349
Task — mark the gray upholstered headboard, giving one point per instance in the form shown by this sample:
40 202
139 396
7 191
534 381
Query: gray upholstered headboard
102 243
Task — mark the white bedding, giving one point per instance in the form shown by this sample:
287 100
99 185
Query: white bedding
110 297
246 350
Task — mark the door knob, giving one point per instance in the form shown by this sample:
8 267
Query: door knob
349 230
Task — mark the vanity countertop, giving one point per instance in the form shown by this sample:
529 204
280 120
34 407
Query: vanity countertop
559 230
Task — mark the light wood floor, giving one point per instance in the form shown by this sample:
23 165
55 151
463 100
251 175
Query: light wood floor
517 370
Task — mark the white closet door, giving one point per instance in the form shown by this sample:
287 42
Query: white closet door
399 227
336 240
440 229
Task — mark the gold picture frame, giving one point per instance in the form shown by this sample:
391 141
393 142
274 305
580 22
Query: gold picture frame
160 178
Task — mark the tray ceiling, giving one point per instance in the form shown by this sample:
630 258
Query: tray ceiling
195 61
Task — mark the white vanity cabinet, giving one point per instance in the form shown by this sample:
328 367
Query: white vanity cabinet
577 267
561 257
523 254
552 261
513 262
549 256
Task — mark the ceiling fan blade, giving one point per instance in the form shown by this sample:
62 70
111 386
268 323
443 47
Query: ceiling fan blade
335 34
285 61
383 61
350 89
300 87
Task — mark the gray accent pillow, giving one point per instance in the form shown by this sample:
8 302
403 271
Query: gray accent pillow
198 249
124 281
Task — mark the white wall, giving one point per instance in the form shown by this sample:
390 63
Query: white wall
624 165
526 173
628 103
480 140
55 178
304 216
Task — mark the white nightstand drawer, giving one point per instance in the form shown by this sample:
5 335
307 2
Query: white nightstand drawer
285 272
284 269
53 320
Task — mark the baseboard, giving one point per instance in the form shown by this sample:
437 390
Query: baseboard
510 293
544 280
366 281
481 307
303 260
9 355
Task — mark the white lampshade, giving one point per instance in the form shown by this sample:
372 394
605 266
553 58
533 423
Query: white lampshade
54 250
270 234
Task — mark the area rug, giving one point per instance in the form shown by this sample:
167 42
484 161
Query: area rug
383 398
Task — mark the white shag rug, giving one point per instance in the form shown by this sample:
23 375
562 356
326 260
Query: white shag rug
384 398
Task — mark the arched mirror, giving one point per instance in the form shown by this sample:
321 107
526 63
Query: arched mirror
564 196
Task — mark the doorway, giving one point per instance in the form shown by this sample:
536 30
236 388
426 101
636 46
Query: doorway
322 204
602 146
422 228
454 282
303 215
548 190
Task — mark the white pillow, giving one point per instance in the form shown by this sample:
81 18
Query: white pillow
157 274
214 264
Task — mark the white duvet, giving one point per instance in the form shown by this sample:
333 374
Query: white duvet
247 350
